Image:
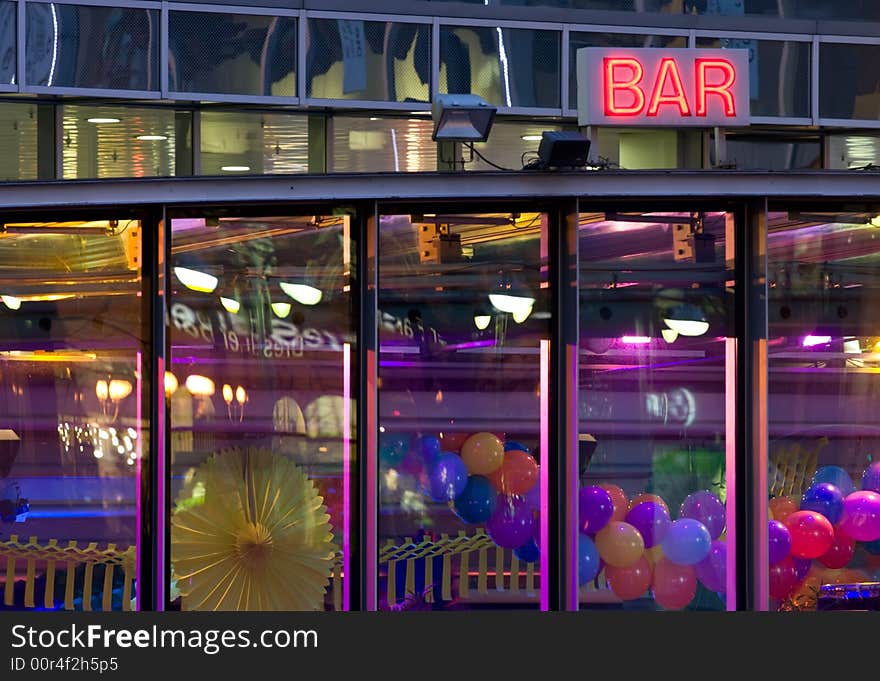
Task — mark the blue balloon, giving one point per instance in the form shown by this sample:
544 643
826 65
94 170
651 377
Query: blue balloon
528 552
393 447
447 477
687 542
429 446
510 445
837 477
477 501
588 559
824 498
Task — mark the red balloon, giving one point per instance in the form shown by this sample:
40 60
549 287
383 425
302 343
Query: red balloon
811 533
518 473
674 585
618 499
452 442
841 551
782 507
783 578
631 582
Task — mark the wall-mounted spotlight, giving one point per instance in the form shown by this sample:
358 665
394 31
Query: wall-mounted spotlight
461 118
561 149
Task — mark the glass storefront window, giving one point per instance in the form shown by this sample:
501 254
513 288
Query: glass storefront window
508 67
846 88
368 60
8 42
18 141
772 152
823 475
853 151
233 54
646 148
464 327
510 145
254 143
73 421
653 434
369 144
260 389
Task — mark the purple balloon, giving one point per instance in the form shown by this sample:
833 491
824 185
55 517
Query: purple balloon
780 541
712 570
871 477
801 567
708 509
447 477
512 524
824 498
861 515
533 497
651 520
595 508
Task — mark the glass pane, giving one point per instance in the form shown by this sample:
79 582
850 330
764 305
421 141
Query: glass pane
72 365
853 151
578 40
373 145
92 47
504 66
823 348
18 141
254 143
846 88
773 153
510 145
370 60
464 329
654 345
232 54
116 141
7 42
640 149
260 389
779 74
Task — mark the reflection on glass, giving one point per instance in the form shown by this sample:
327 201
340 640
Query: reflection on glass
853 151
232 54
253 143
92 47
18 141
373 145
772 152
507 67
73 425
260 393
368 60
824 480
846 88
7 42
654 341
462 411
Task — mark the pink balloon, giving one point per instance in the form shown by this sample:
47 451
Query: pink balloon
811 534
861 515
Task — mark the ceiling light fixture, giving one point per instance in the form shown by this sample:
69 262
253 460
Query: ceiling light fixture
11 302
103 119
231 305
195 280
281 310
686 320
201 386
302 293
235 169
152 138
482 319
531 138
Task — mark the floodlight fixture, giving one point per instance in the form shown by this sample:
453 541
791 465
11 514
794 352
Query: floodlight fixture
461 118
563 149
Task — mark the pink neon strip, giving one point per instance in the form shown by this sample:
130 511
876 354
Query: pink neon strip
138 480
346 476
370 504
730 467
571 462
761 505
545 475
159 450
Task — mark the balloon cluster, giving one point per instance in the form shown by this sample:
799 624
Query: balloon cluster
824 526
641 548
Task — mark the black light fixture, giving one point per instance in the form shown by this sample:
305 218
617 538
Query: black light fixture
562 149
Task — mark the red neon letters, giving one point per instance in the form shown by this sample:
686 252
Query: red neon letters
624 94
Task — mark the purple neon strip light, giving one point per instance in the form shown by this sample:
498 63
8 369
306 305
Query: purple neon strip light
346 476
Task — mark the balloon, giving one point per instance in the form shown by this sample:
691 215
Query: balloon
687 542
779 540
429 446
861 515
595 508
645 496
631 582
841 551
824 498
620 544
588 559
712 570
477 502
654 554
392 449
651 520
811 534
528 552
782 507
483 453
533 496
708 509
452 442
871 477
783 578
517 474
512 523
618 498
837 476
447 477
802 567
674 585
510 446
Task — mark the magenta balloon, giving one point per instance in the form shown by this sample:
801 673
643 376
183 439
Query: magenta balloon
708 509
651 520
712 570
861 515
512 523
595 508
779 540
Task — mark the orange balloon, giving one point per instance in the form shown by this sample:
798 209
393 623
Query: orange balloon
674 586
483 453
518 474
782 507
620 544
654 554
631 582
618 499
645 496
452 442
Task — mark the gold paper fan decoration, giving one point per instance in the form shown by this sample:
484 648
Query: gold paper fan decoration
258 539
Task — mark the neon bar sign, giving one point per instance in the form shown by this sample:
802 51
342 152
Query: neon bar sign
663 87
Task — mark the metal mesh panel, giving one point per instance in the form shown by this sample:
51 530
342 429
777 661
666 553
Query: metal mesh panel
232 54
368 60
18 141
848 88
578 40
92 47
369 145
7 42
254 143
506 67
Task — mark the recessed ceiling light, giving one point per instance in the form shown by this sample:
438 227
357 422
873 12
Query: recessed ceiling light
152 138
419 113
374 118
103 119
235 169
531 138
